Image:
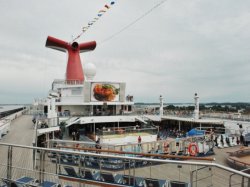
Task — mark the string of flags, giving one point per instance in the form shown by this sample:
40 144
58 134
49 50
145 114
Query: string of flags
105 8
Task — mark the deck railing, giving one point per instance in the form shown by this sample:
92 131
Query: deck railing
126 130
70 167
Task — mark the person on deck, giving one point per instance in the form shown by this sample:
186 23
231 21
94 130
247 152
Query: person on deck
139 141
97 144
73 135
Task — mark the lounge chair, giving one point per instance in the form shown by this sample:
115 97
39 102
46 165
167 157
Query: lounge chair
87 174
71 171
8 183
178 184
128 180
139 181
108 177
155 182
131 181
152 183
23 181
49 184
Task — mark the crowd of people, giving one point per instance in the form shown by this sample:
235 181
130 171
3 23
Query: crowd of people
172 133
75 135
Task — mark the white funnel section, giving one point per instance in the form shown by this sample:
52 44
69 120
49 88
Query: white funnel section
90 71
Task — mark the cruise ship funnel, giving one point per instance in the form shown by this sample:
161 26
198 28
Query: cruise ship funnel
74 71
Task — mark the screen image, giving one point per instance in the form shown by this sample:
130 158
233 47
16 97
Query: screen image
105 92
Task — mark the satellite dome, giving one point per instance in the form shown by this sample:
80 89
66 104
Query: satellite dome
90 71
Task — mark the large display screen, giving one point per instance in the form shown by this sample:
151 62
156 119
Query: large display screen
105 92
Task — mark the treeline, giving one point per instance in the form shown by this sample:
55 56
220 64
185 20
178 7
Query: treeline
213 107
222 107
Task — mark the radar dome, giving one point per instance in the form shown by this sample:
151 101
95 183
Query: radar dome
90 71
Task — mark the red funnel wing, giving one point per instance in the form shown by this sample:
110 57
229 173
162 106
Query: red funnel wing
57 44
88 46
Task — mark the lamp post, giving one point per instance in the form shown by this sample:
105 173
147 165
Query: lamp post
196 106
161 105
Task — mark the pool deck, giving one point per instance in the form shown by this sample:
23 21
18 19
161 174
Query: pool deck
22 132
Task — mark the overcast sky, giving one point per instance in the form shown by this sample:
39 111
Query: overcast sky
181 47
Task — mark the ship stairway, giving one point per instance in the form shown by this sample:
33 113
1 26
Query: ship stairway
141 119
72 120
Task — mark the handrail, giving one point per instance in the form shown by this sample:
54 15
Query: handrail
141 154
230 177
237 161
133 158
107 144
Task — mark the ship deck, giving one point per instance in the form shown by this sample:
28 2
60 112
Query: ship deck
22 132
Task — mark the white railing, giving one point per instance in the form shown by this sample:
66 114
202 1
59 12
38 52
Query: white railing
53 168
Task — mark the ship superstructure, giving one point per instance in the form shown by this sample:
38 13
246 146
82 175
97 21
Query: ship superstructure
96 109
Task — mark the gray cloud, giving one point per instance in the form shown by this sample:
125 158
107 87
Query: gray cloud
180 48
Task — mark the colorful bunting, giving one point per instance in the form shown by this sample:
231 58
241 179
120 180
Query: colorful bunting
84 29
100 13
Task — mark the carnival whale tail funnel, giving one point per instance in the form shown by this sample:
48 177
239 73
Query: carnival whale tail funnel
74 71
74 46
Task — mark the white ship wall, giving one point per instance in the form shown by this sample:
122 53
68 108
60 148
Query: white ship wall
72 95
76 110
129 139
72 99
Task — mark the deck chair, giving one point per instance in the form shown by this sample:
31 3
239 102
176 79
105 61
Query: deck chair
152 183
87 174
128 180
24 180
108 177
139 181
95 164
163 183
9 183
118 178
71 171
50 184
178 184
156 182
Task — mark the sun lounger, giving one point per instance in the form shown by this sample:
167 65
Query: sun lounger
155 182
128 180
23 181
70 171
178 184
50 184
108 177
87 174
